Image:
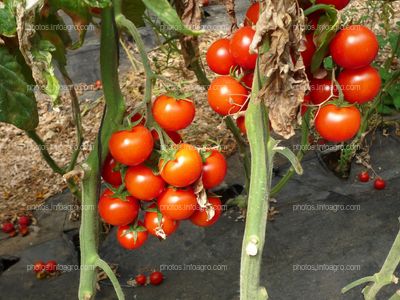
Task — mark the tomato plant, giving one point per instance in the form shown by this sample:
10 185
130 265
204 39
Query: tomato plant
131 147
247 80
132 237
219 57
240 44
379 184
214 169
337 124
117 211
177 204
200 216
173 114
240 122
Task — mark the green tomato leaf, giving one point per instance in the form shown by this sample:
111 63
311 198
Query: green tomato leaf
166 13
17 101
133 10
384 73
8 26
394 92
328 63
98 3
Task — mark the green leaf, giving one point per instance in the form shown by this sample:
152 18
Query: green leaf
328 25
133 10
166 13
8 26
98 3
382 41
384 109
394 92
17 101
384 73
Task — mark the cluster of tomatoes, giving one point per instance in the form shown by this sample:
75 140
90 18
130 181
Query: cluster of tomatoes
43 270
22 226
379 183
155 278
167 184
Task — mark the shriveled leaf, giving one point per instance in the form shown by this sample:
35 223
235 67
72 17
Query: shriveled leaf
200 193
166 13
210 210
281 25
17 101
133 10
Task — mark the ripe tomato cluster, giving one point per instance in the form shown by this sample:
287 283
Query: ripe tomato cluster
43 270
164 183
22 226
353 49
379 183
155 278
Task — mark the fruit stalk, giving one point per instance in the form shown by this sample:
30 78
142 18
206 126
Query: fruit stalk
115 107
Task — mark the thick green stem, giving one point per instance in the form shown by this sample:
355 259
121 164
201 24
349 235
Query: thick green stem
115 107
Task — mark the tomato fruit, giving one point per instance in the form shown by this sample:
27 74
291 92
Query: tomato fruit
140 279
152 223
109 174
7 227
116 211
214 170
339 4
312 21
241 124
173 135
173 114
156 278
252 14
354 47
24 221
219 57
309 51
38 266
240 46
337 124
363 176
226 96
200 217
360 85
23 230
143 184
51 266
130 237
184 167
177 204
379 184
321 90
131 147
247 80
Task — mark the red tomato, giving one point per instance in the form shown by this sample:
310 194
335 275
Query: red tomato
185 167
252 14
143 184
200 217
304 105
109 174
379 184
136 117
240 122
214 170
8 227
140 279
239 47
363 176
130 237
38 266
173 114
308 53
156 278
51 266
339 4
152 223
219 57
360 85
177 204
354 47
24 221
247 80
174 136
95 10
226 96
321 90
116 211
337 124
131 147
312 21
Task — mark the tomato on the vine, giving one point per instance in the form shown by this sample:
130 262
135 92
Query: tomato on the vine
240 46
312 21
354 47
360 85
24 221
200 216
379 184
131 237
116 211
177 204
153 224
363 176
156 278
131 147
321 90
241 124
309 51
252 14
173 114
226 95
247 80
109 173
214 170
219 57
142 183
173 135
339 4
182 167
337 124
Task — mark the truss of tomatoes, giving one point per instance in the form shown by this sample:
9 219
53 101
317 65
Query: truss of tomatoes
164 184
